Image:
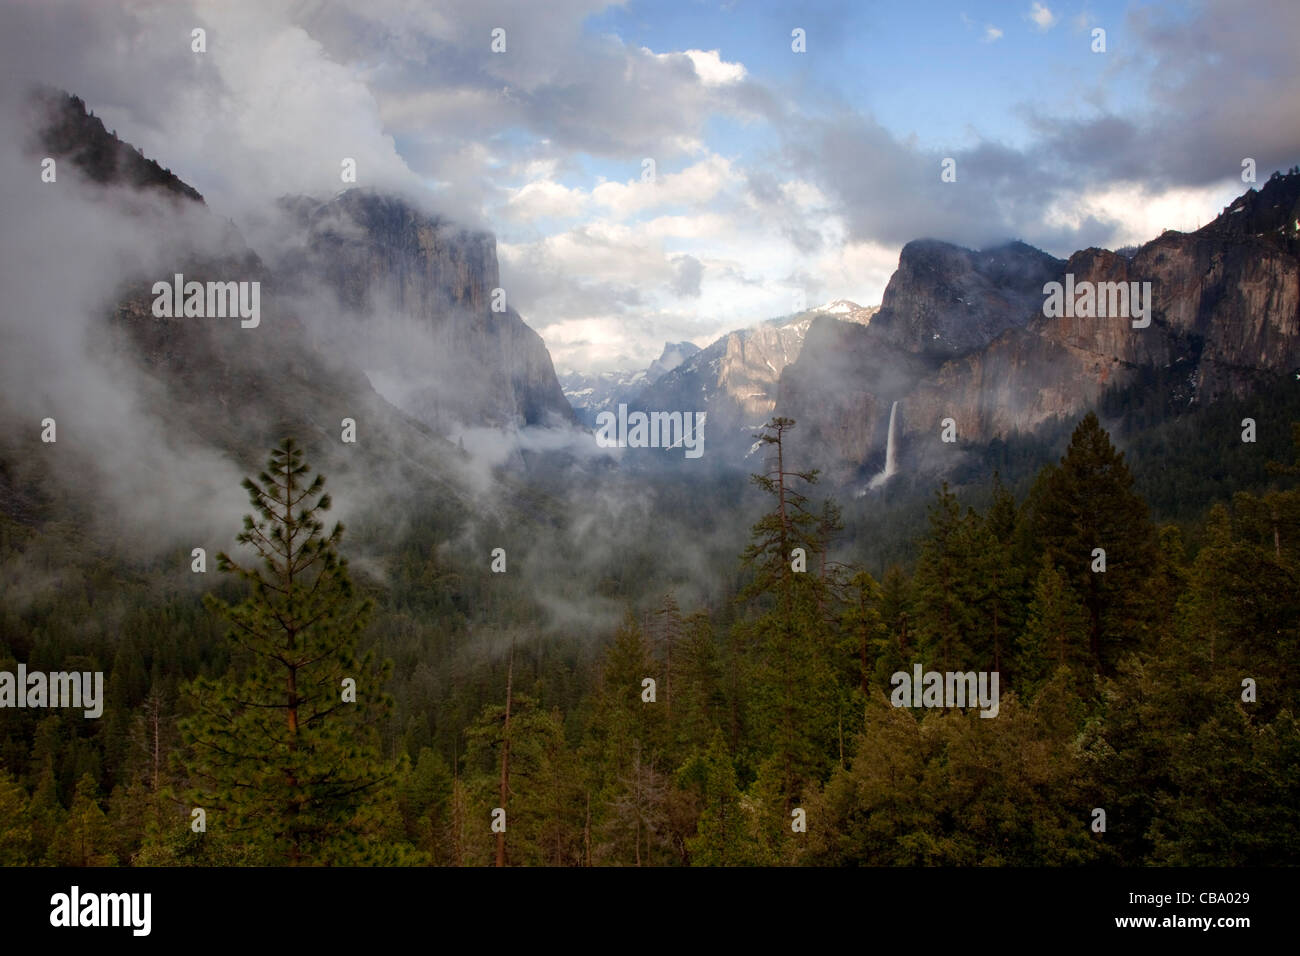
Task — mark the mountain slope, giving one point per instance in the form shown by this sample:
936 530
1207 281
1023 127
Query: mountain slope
592 394
1225 309
734 380
67 131
416 294
188 404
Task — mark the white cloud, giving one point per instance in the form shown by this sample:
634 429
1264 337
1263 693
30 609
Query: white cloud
412 92
696 184
858 271
544 199
608 293
1142 215
1041 15
709 66
713 70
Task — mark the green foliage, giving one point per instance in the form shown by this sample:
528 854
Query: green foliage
722 838
1055 637
85 837
1086 504
278 752
1121 690
15 828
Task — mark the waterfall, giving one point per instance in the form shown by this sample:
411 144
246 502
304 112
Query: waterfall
891 450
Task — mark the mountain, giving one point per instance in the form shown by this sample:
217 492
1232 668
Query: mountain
205 397
673 355
363 275
592 394
735 379
945 301
963 334
66 130
417 295
414 290
848 311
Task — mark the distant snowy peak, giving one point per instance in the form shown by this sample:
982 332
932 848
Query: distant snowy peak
673 355
838 307
592 394
848 311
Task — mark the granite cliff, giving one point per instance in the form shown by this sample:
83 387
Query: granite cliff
963 334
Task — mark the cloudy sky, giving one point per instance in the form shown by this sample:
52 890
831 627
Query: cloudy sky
778 176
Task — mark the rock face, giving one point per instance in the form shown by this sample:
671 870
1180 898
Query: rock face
735 379
592 394
963 335
417 293
65 130
840 390
673 355
944 301
360 273
199 390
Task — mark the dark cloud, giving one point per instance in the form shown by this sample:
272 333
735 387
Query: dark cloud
1222 84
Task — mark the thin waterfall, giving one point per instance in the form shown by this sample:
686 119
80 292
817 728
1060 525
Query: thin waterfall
891 450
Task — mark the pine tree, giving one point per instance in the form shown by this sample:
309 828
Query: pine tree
1088 502
424 795
949 587
45 814
668 633
896 615
15 828
86 837
795 694
1001 606
636 813
543 800
283 751
791 525
1056 633
702 703
722 838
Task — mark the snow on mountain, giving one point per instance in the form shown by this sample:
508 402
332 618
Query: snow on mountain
592 394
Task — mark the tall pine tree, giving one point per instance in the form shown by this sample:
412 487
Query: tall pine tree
283 751
1087 503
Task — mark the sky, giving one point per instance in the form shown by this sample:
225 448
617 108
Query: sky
670 170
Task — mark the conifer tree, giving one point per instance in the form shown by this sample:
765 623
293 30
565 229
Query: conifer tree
722 838
284 751
86 837
790 525
896 615
1056 634
45 813
15 829
864 636
668 634
949 587
1087 502
795 695
1004 595
543 802
702 707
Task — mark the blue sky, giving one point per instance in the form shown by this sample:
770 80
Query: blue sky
927 68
